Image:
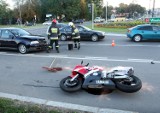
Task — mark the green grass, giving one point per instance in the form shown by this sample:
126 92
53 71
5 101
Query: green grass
22 26
15 106
109 30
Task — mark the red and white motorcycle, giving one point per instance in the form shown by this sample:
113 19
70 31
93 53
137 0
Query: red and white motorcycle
96 77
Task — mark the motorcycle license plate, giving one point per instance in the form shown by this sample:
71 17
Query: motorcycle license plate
102 82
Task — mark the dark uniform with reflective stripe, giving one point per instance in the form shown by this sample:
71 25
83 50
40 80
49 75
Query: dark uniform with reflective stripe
76 36
53 36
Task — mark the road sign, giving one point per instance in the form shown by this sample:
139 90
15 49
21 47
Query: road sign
152 20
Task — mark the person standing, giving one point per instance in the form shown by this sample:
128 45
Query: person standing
75 35
53 32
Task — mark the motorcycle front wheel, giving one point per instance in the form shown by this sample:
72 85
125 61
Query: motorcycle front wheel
70 86
129 86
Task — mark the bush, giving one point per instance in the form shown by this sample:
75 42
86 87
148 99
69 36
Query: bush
120 24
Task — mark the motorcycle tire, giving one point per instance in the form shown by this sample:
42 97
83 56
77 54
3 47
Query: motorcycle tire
129 88
70 88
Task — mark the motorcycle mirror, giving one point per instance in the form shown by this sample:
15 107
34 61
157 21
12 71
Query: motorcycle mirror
81 62
87 64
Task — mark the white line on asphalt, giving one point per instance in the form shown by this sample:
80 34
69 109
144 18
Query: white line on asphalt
86 58
141 60
110 34
125 45
62 104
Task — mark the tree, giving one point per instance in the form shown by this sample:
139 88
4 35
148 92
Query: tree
27 9
5 13
122 8
98 7
109 11
135 9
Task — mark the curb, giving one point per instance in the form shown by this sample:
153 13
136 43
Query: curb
62 104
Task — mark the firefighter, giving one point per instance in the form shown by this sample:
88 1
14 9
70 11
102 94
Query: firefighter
75 35
53 33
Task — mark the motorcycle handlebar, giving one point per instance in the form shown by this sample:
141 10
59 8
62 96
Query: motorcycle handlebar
87 64
82 63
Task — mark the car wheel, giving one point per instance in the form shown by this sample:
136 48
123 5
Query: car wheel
94 38
22 48
137 38
63 37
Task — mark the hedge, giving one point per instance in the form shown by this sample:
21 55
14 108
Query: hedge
121 24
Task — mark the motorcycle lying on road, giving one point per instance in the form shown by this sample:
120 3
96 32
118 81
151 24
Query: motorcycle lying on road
84 77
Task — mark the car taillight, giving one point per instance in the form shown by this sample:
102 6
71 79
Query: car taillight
129 31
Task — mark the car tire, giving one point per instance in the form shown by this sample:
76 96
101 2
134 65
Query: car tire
94 37
22 48
63 37
137 38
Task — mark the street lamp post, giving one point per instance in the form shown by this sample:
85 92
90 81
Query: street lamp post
92 15
20 14
106 11
153 8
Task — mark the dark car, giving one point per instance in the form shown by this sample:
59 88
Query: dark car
85 33
61 25
144 32
78 21
23 41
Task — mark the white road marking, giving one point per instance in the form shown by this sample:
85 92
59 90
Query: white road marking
110 34
85 58
125 45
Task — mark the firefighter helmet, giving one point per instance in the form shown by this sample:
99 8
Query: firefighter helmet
70 23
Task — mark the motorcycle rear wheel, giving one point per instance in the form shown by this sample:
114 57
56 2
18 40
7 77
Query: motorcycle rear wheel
68 86
132 87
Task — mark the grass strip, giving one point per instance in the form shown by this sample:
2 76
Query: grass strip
15 106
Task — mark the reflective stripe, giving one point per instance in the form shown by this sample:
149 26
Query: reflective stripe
54 38
57 46
54 30
76 30
78 37
50 47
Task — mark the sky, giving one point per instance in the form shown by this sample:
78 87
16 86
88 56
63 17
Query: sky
148 4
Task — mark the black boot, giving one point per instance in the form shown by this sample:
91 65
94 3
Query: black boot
57 50
79 46
75 46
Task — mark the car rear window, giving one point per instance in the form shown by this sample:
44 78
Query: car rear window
156 28
147 28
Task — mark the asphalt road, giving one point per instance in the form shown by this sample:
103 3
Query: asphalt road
24 75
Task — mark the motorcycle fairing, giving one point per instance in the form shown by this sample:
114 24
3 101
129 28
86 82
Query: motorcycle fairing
95 80
79 69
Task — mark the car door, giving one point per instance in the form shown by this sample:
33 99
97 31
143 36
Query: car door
156 30
83 32
68 31
147 32
8 39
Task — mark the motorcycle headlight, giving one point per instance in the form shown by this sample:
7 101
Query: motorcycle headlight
34 42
